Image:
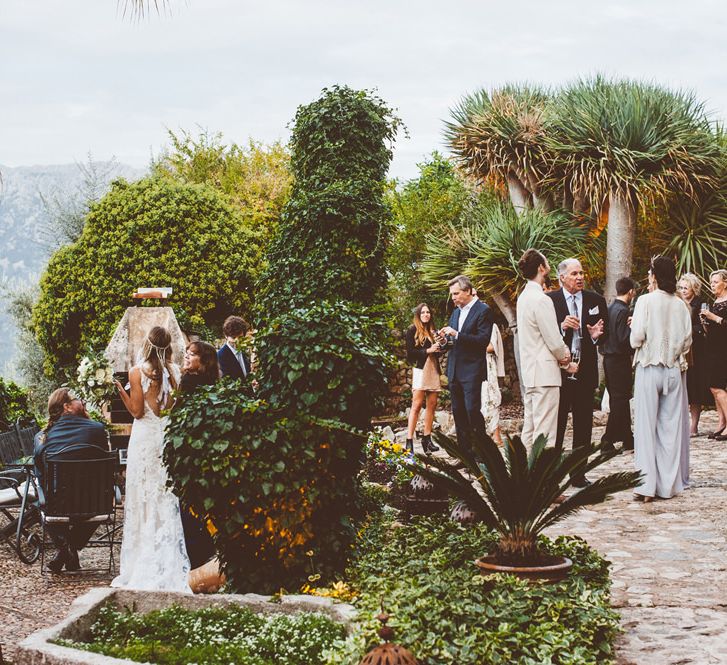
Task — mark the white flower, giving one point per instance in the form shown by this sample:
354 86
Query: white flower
100 374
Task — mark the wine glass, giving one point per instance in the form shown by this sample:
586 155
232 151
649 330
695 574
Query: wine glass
575 358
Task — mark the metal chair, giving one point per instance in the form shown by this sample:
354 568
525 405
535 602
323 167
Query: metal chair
78 488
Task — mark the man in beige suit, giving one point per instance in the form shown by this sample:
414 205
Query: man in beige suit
542 351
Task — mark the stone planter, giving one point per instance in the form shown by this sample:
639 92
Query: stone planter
38 648
553 572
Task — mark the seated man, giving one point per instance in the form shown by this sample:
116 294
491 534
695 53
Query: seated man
69 429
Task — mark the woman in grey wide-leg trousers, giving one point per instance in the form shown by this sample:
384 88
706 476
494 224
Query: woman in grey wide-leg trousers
661 334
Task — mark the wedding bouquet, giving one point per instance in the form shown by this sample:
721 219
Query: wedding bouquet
96 379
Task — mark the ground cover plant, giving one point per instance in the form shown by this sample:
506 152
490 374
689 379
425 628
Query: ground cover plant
446 613
215 635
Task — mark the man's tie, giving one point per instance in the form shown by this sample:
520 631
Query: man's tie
241 360
575 344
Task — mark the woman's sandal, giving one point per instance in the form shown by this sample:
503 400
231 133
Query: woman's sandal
714 435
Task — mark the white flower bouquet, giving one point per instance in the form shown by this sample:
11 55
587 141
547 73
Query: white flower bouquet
96 379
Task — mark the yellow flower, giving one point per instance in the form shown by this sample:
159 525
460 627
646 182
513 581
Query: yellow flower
396 448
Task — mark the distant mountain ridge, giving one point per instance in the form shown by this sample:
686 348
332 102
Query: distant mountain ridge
24 221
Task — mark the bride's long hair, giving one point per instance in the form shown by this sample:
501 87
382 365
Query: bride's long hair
156 353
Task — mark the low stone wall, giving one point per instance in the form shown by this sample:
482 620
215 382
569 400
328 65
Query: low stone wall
38 649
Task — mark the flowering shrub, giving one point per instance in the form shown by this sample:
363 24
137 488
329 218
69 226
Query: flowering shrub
95 379
386 460
214 635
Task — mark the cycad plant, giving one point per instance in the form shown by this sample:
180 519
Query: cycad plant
619 144
514 494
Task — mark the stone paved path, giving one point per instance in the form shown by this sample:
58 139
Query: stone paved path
669 561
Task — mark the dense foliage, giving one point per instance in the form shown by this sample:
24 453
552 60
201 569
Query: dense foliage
275 481
428 204
150 233
285 467
255 177
446 614
334 230
14 405
214 635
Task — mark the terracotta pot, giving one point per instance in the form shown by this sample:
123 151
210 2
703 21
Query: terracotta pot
552 572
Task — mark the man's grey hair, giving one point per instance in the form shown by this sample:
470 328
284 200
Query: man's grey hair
563 265
464 283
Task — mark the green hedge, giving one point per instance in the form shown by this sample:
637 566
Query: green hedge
446 613
14 405
150 233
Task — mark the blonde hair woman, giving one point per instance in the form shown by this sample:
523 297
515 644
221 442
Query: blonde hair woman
423 351
153 553
690 288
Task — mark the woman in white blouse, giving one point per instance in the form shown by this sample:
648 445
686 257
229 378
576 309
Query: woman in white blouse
661 334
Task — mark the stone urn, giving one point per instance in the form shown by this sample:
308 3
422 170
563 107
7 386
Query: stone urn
425 498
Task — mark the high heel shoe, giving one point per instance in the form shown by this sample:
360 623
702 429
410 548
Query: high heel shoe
427 444
714 435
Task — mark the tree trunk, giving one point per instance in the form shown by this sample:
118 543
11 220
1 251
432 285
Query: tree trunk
620 240
507 307
519 195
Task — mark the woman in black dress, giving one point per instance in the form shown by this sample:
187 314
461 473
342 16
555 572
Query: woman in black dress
715 323
697 375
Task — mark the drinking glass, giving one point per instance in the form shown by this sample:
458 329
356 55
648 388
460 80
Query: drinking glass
575 358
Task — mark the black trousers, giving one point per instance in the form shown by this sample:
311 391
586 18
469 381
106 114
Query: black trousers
466 400
576 398
619 384
71 535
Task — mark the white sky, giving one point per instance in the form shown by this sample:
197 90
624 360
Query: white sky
76 77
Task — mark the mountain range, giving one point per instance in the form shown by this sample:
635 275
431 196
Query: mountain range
30 197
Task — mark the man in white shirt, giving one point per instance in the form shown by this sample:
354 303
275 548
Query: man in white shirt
542 351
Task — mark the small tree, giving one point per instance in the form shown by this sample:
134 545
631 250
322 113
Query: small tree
150 232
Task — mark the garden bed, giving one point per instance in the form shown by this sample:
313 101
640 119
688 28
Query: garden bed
171 628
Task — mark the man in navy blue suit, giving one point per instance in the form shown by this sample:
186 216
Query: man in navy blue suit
468 333
232 360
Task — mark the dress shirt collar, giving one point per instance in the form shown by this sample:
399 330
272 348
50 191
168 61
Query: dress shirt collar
469 305
568 295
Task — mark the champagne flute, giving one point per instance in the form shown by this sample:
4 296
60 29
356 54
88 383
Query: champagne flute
575 359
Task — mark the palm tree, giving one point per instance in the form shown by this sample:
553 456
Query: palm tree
622 143
515 494
499 136
139 8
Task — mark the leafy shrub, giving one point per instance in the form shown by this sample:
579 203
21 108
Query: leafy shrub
215 635
446 613
153 232
13 405
335 228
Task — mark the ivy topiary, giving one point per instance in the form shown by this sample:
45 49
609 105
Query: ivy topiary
335 228
154 232
278 475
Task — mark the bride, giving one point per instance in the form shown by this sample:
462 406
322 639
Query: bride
153 554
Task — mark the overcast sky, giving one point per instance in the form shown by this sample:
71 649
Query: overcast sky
77 77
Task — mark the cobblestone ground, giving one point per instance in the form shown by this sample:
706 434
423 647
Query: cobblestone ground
669 568
669 561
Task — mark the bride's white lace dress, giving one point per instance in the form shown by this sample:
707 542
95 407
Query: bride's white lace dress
153 554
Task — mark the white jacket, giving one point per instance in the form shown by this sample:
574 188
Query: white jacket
540 341
661 330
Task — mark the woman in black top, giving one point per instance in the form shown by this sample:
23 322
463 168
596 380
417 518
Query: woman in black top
697 375
200 366
422 351
715 323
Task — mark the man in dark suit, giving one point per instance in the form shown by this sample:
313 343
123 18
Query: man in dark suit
70 434
468 333
617 355
582 316
232 360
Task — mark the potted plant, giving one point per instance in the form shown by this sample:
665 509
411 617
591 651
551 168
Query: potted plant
515 494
